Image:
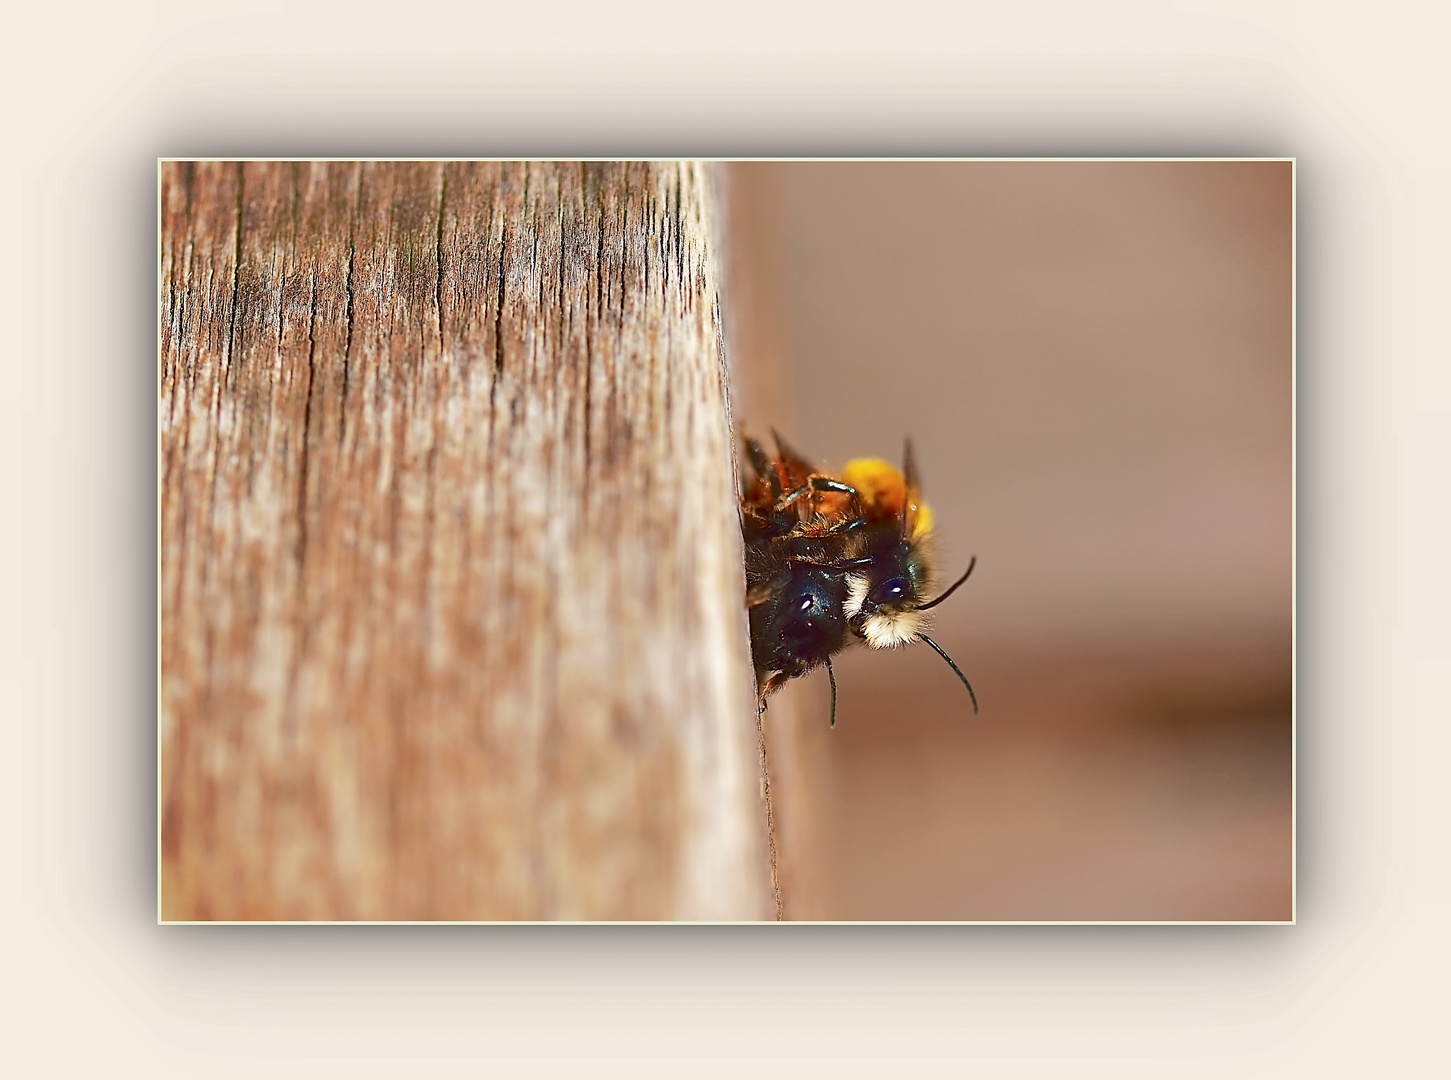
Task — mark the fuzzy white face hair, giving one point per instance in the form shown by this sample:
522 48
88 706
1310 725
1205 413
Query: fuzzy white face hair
883 629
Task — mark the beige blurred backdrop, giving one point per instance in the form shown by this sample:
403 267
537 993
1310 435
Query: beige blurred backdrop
1094 360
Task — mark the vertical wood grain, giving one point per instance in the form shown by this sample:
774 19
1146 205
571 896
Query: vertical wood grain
451 621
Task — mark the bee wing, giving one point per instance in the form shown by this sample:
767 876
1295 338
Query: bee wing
793 461
762 465
796 472
914 490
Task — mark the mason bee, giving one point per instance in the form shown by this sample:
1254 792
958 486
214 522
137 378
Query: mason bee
835 559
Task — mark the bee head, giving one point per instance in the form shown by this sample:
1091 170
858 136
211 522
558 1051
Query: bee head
801 625
883 602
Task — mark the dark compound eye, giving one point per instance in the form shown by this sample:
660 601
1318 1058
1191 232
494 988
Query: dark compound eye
891 591
805 630
803 625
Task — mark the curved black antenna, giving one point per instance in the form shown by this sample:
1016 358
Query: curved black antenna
832 676
954 667
951 588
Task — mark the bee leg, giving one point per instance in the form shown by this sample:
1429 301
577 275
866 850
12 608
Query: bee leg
845 526
850 525
762 591
774 683
842 567
815 486
826 483
790 498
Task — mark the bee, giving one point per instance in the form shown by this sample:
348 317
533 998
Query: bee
831 560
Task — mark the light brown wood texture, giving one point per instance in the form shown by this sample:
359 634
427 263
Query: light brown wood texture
451 619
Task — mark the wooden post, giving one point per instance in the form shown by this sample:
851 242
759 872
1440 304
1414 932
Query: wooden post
451 619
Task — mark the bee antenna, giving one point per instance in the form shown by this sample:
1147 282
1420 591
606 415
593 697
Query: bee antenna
950 591
832 676
954 667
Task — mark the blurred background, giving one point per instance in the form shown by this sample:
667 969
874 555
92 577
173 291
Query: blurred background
1094 362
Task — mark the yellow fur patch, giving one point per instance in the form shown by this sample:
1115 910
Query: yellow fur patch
883 487
880 483
923 525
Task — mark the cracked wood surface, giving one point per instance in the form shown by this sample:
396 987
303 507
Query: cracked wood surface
451 621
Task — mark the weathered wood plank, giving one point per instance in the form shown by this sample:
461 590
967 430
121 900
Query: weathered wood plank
451 620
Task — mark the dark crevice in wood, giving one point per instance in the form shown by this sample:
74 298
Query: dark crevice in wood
438 256
307 431
302 620
230 358
353 225
499 306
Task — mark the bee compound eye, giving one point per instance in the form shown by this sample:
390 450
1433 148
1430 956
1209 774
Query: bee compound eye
806 602
891 591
